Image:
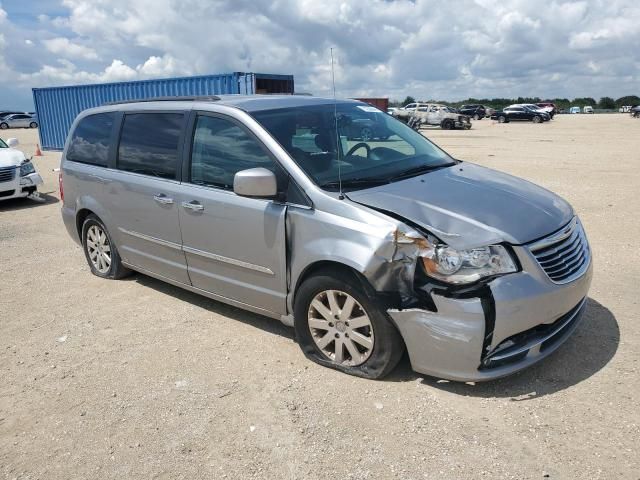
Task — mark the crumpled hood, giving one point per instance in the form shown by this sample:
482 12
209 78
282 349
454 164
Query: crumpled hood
10 157
467 206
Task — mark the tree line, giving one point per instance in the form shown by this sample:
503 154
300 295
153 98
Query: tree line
561 103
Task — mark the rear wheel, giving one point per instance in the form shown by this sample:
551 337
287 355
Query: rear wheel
339 324
366 134
4 126
100 252
477 117
502 119
446 125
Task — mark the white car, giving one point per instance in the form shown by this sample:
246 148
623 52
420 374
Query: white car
587 109
19 120
18 176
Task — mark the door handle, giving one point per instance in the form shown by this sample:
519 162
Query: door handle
193 205
163 199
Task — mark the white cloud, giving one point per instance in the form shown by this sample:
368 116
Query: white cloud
388 48
64 47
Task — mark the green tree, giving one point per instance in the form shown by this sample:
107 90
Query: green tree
607 102
408 100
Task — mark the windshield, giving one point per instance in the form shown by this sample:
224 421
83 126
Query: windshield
2 144
374 148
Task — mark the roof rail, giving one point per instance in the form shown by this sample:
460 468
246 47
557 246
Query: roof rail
201 98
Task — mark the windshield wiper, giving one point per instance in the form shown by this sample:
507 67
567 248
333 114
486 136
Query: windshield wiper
412 172
355 182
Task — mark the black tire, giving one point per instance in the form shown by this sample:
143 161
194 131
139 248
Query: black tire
536 119
33 125
116 269
4 126
388 346
446 125
502 119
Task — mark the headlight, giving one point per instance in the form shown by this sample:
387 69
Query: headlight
27 168
449 265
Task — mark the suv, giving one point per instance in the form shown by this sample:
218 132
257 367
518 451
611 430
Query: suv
478 112
364 247
441 115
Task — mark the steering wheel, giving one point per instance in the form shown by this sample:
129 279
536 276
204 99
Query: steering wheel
357 146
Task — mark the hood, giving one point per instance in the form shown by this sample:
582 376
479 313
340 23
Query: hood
10 157
467 206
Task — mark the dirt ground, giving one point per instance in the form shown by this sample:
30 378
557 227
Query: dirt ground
139 379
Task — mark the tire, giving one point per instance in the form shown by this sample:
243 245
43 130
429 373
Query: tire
386 345
4 126
33 125
366 134
536 119
93 229
477 117
502 119
446 125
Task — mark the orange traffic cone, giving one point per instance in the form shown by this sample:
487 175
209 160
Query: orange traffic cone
38 152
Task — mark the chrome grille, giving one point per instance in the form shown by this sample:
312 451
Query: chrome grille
7 174
565 255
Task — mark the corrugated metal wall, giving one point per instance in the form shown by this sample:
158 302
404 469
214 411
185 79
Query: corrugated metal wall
57 107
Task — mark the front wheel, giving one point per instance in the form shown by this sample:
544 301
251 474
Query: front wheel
102 255
4 126
537 119
502 119
477 117
339 324
366 134
33 125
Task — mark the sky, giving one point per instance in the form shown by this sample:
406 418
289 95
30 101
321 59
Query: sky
428 49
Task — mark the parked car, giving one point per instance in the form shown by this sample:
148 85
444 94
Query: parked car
18 176
574 110
520 113
587 109
549 107
365 125
635 111
441 115
406 112
477 112
390 110
625 109
5 113
19 120
364 249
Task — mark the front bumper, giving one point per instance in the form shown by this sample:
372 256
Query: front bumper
532 317
20 187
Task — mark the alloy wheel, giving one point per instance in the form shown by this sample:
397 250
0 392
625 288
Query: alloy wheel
340 328
366 134
99 249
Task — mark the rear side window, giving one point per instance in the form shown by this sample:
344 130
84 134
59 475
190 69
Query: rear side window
149 144
90 141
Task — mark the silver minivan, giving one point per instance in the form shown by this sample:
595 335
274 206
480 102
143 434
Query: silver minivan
365 247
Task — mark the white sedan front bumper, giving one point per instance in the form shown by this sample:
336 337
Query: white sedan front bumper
20 187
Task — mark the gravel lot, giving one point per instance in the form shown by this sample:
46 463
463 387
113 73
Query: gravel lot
139 379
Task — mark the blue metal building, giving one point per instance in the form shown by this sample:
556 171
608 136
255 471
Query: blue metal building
57 107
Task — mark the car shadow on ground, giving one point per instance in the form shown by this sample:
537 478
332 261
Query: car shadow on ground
24 203
267 324
585 353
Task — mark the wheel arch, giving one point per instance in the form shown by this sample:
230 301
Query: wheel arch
329 266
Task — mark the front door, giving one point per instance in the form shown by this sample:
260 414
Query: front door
235 246
142 193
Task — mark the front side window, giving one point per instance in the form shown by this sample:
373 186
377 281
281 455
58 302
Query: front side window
221 149
388 152
2 144
90 140
149 144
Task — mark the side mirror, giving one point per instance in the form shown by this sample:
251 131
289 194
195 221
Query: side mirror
255 182
12 143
